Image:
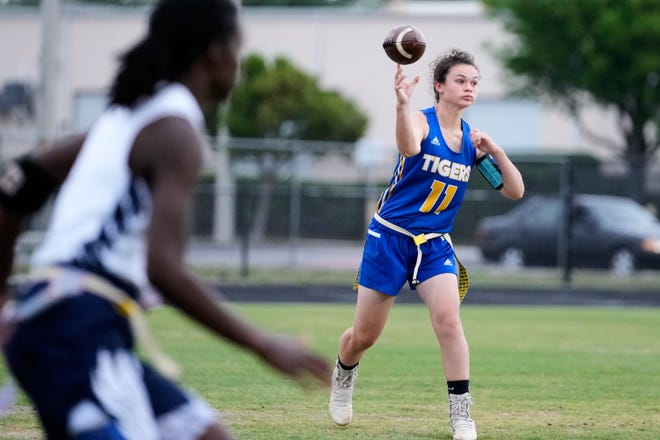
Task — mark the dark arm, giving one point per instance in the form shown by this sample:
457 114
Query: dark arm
57 159
10 229
168 153
55 163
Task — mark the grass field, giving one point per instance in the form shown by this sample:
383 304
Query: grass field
537 373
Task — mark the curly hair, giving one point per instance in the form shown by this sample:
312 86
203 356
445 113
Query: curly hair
441 65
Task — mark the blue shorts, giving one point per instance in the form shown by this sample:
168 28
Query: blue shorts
389 258
75 362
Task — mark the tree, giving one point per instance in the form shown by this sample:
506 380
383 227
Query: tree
312 3
278 101
282 3
101 2
591 51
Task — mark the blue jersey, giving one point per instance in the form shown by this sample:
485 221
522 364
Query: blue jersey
427 189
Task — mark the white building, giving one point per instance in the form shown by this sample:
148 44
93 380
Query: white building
341 46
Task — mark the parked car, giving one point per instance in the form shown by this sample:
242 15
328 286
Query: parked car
607 231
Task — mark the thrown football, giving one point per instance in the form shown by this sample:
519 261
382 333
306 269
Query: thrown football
404 44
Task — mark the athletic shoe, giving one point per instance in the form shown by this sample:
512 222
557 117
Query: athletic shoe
341 396
459 416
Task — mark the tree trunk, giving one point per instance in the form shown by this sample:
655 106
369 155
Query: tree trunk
637 158
637 172
268 174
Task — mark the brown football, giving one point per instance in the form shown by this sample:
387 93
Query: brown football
404 44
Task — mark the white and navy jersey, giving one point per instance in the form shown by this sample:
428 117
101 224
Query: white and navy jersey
102 210
426 190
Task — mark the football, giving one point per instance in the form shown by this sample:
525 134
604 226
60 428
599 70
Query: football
404 44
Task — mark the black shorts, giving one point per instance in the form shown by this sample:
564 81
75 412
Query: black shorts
75 362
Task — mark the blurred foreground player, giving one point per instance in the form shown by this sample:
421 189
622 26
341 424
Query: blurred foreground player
119 224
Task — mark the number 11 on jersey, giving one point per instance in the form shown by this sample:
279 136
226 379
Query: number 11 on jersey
439 191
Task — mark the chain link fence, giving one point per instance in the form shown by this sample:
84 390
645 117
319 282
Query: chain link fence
303 206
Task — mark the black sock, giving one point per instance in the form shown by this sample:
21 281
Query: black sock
458 386
345 367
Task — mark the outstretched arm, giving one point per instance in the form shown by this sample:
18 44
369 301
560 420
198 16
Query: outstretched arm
513 188
168 154
411 127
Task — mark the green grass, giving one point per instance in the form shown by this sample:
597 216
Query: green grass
537 373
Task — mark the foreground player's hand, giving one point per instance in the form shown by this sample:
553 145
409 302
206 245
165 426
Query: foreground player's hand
290 356
7 323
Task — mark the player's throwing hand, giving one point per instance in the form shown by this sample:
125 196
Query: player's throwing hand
403 89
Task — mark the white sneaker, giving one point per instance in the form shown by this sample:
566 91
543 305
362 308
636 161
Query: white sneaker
341 396
459 416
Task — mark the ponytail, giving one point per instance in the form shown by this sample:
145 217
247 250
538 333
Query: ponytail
142 67
179 32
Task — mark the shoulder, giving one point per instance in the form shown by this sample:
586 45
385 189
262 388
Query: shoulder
169 137
425 115
428 113
170 144
172 99
427 119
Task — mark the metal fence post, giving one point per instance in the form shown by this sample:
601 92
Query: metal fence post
295 201
564 251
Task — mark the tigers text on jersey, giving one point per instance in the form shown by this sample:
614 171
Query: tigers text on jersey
426 190
102 210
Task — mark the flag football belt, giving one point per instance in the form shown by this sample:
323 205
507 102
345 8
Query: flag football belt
64 283
419 240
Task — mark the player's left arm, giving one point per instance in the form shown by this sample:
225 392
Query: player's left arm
514 187
25 185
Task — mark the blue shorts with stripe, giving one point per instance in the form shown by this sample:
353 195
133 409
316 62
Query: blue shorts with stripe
75 362
389 258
